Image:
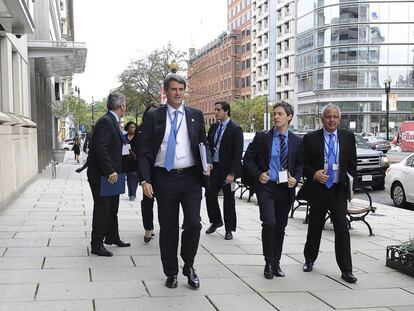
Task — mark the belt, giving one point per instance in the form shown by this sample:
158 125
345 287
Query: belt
178 171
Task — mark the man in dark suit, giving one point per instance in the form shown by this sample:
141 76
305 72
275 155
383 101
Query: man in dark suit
274 161
105 159
329 155
172 171
225 139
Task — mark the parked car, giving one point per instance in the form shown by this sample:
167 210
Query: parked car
399 182
377 143
67 144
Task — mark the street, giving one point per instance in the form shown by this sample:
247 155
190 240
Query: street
380 196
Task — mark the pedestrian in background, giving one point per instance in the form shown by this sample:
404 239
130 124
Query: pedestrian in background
77 148
274 160
129 161
225 139
147 204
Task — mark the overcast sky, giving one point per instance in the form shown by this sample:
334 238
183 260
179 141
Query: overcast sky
117 32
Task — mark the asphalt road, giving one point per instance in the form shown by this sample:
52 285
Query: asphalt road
379 196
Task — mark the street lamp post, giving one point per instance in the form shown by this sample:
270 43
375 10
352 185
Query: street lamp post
387 83
93 112
77 90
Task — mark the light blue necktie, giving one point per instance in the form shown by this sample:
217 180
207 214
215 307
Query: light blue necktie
172 142
331 161
274 161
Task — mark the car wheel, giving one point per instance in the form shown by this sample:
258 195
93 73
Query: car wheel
398 195
384 151
66 149
381 186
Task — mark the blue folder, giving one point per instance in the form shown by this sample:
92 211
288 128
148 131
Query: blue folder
117 188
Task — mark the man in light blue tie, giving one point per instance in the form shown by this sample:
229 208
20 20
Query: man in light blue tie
171 169
329 154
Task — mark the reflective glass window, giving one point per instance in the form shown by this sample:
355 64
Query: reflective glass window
399 76
305 23
398 54
378 33
398 12
378 12
398 33
348 13
363 55
304 6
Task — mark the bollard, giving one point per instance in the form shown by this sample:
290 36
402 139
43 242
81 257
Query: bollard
53 165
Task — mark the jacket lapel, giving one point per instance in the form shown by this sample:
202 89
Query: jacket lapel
190 124
321 147
269 143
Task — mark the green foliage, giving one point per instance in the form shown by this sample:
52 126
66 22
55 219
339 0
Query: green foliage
142 80
243 111
408 246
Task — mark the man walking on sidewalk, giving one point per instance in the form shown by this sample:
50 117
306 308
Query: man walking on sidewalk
226 144
105 159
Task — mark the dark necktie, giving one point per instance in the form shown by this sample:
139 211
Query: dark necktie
283 152
220 129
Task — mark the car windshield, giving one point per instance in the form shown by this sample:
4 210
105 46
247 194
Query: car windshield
361 143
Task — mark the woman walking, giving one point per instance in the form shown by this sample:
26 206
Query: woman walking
130 164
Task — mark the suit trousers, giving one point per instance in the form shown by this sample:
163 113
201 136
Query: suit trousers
172 189
147 212
105 217
132 182
274 206
217 182
334 200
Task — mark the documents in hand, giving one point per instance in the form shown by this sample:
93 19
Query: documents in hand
108 189
350 186
203 156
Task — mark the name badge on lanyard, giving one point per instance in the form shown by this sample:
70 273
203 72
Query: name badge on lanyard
125 149
283 176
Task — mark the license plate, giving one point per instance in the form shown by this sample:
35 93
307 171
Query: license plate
366 177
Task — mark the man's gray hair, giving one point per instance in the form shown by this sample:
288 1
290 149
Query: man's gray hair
328 107
174 77
115 100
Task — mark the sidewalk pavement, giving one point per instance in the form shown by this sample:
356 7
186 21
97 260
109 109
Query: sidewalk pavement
45 261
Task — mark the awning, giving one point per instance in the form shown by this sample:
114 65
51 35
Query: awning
58 58
15 17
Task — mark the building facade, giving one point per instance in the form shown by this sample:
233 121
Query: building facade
345 52
30 33
273 47
239 20
214 74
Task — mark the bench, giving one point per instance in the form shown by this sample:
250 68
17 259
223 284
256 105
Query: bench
356 211
243 188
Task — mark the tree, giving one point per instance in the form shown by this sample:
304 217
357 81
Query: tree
142 80
249 111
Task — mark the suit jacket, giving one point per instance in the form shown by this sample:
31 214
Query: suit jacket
105 151
153 131
314 158
231 148
257 157
129 163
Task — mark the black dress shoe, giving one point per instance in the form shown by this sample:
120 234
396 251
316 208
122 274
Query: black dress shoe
228 236
348 277
308 267
101 251
278 272
171 281
118 243
268 271
213 228
192 278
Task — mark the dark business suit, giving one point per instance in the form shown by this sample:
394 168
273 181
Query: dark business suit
274 199
322 199
230 154
175 187
104 158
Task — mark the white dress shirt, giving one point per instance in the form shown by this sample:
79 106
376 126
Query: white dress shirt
183 155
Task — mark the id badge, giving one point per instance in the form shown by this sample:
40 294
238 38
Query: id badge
233 187
283 176
335 167
125 149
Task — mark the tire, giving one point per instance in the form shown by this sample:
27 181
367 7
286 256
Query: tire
66 149
398 195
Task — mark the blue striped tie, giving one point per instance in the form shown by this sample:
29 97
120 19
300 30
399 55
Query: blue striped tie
172 142
331 161
283 152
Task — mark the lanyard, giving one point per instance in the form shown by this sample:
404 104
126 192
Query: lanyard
175 131
335 152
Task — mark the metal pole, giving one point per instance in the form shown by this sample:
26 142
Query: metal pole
387 107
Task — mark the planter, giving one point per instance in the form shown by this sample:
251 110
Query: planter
59 155
400 260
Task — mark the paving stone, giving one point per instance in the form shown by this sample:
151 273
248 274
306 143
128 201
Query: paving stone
294 283
21 263
207 287
73 305
60 235
298 301
69 242
90 290
23 242
87 262
185 303
44 276
229 259
46 251
240 302
17 292
390 279
364 298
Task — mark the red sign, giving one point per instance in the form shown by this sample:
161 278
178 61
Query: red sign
407 136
